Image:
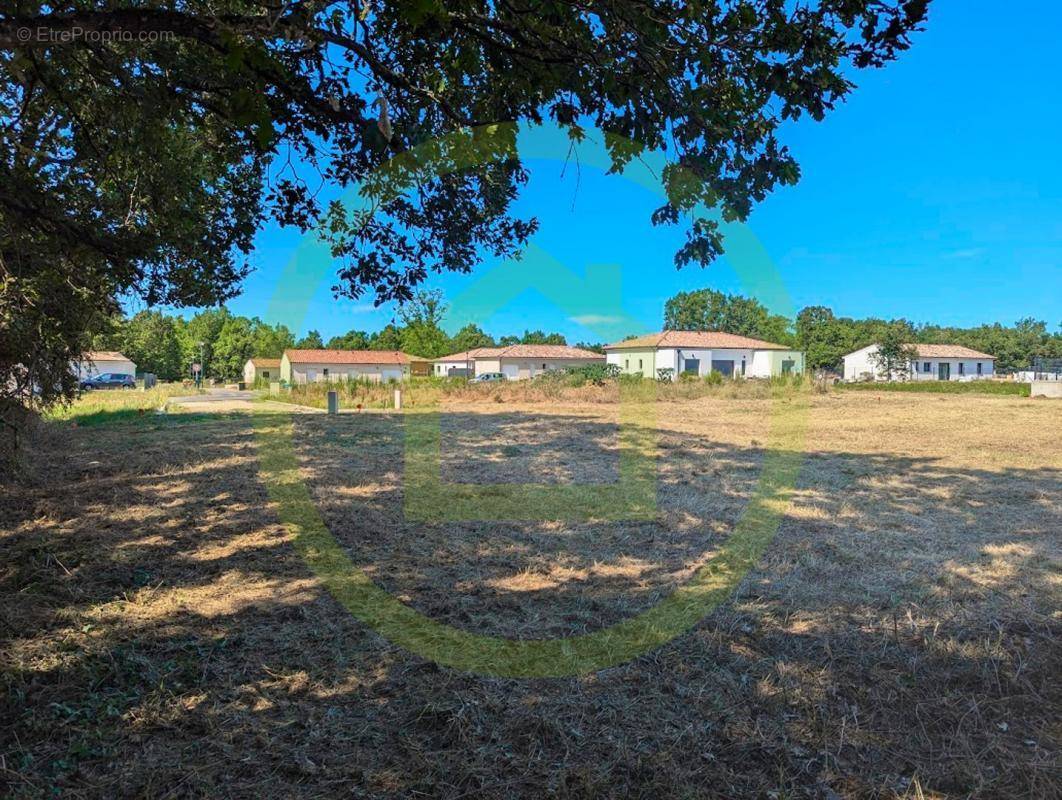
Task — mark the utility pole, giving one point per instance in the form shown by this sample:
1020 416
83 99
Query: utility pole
202 365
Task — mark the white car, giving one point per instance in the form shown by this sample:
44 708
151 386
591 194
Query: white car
488 377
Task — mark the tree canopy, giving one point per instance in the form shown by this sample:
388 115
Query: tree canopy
143 147
711 310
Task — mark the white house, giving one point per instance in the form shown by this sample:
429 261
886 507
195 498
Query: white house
316 366
99 362
459 365
934 362
515 362
266 369
702 352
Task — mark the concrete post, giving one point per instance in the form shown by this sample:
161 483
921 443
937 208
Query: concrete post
274 389
333 401
398 399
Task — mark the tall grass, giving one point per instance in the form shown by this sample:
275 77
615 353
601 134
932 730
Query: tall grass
107 405
942 387
558 387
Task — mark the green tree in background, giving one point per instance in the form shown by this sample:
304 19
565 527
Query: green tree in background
351 340
541 337
196 338
469 338
389 337
422 334
895 353
711 310
270 341
311 341
235 344
149 339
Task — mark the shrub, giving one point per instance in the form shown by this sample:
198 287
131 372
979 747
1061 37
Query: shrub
714 378
665 375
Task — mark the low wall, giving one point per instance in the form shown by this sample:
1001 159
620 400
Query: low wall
1046 389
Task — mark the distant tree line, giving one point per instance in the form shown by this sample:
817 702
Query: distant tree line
169 345
826 338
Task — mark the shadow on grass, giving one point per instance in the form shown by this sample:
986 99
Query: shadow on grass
161 635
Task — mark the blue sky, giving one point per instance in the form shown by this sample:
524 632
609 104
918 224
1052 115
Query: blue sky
933 193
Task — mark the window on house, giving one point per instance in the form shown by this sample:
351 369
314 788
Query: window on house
325 371
265 373
693 366
978 367
742 366
543 366
926 367
626 365
962 367
639 363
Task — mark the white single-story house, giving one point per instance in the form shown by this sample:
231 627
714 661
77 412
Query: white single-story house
702 352
459 365
322 366
99 362
266 369
515 362
934 362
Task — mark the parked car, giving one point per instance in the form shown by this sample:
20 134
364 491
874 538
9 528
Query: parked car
488 377
108 380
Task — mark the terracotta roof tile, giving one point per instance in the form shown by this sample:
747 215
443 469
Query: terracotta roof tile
474 353
948 351
708 339
266 362
546 351
348 357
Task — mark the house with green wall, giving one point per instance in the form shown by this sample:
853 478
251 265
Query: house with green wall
702 352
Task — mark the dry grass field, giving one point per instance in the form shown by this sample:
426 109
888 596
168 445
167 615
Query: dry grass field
901 638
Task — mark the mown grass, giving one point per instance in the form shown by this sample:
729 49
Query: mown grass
943 387
161 634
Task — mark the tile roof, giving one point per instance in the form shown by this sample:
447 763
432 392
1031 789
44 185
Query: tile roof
348 357
948 351
474 353
103 355
546 351
696 339
265 362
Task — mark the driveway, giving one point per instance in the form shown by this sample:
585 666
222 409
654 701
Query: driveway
222 400
213 396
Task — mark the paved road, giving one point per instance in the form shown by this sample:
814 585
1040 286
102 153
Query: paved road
214 396
221 401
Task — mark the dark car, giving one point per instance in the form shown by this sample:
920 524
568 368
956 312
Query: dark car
109 380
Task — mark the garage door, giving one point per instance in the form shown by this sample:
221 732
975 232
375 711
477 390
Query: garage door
511 371
726 367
